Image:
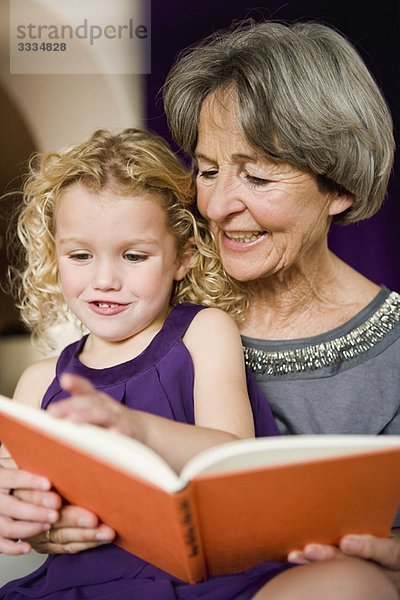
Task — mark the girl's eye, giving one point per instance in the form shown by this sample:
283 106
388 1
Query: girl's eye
256 181
134 257
80 256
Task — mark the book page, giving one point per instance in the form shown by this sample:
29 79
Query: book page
284 450
117 449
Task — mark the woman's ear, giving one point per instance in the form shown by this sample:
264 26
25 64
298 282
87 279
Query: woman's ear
339 203
184 260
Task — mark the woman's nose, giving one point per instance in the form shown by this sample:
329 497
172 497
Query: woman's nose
220 200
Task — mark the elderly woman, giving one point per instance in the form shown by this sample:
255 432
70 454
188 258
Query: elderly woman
289 133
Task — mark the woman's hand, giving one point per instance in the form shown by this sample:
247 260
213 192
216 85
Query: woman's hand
385 552
20 518
31 516
76 530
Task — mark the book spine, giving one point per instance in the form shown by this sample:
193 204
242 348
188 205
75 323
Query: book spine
190 535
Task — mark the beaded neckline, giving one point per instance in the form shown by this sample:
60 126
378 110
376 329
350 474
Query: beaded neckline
343 348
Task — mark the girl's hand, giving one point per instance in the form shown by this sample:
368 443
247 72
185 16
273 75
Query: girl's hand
384 552
19 518
88 405
76 530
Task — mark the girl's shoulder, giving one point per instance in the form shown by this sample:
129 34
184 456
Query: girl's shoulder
212 328
208 318
35 380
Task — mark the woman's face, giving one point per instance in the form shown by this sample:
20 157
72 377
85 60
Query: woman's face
267 217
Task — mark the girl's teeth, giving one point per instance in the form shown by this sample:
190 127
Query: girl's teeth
106 305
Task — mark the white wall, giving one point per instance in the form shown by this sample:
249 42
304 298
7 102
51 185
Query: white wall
13 567
64 109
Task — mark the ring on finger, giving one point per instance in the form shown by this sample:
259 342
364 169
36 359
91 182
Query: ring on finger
48 535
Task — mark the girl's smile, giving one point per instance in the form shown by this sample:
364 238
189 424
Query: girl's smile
106 307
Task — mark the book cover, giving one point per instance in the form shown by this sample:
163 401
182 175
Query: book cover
232 506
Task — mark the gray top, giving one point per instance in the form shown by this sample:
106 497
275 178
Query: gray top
343 381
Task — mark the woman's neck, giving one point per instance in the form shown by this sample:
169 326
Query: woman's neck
303 302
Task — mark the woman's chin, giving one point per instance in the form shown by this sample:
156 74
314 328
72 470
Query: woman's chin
244 270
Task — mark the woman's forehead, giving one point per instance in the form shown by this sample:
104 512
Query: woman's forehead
219 110
219 127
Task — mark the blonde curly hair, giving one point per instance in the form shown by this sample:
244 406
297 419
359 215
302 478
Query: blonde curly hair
130 161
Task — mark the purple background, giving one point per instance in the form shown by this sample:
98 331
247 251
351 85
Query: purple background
373 27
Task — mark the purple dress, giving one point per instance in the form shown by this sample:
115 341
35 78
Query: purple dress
159 381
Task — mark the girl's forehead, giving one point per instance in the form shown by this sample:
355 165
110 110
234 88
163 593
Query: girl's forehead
111 194
107 216
80 208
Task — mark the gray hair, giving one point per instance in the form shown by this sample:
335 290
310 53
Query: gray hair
304 96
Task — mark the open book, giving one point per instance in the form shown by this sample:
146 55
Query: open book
231 507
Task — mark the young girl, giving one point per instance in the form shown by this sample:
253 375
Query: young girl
109 236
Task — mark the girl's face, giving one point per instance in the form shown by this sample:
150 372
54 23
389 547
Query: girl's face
267 217
117 261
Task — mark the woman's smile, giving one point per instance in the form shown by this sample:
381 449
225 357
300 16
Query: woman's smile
241 240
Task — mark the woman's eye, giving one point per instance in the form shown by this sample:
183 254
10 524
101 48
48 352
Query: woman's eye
133 257
256 181
208 174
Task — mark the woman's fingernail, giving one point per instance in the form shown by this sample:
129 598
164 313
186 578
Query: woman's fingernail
103 536
351 544
44 484
85 522
24 548
52 516
48 502
294 556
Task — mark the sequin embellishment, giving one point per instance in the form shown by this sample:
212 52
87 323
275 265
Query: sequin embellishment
341 349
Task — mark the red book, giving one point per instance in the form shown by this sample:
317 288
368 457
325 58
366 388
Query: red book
231 507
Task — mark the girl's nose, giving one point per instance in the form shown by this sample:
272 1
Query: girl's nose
106 276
